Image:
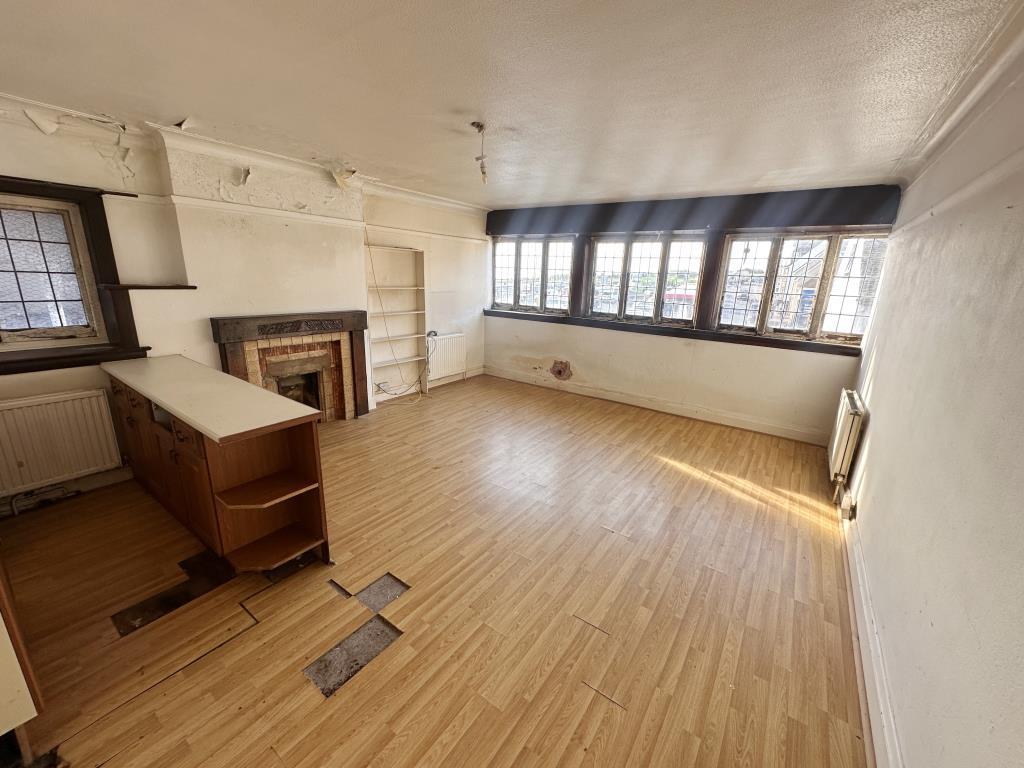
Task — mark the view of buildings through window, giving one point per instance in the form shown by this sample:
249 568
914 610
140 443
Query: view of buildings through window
531 265
682 279
504 272
533 274
642 288
608 257
796 283
746 269
559 270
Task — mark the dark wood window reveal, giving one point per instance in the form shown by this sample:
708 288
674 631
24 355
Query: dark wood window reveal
56 263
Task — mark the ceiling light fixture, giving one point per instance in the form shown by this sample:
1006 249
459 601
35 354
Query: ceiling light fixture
481 158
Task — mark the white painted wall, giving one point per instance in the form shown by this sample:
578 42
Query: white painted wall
256 234
246 262
938 551
777 391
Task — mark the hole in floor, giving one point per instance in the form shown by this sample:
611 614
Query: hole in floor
381 592
205 573
343 661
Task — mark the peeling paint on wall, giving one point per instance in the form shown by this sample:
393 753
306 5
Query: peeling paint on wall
118 158
42 121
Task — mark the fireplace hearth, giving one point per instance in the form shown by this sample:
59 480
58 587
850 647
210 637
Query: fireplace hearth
318 359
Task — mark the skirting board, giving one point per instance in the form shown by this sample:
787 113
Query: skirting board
457 377
875 678
75 485
816 437
478 370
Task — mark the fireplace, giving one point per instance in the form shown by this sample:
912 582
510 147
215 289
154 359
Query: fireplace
301 387
318 359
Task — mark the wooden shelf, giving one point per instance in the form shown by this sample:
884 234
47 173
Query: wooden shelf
266 491
403 337
402 312
141 287
397 288
399 361
274 549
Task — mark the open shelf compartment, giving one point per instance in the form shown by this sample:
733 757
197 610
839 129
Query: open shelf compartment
264 492
274 549
269 497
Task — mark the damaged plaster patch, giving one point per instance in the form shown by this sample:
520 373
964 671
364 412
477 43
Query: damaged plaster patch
265 185
42 121
342 175
119 158
51 123
561 370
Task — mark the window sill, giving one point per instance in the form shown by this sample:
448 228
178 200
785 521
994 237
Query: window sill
52 358
730 337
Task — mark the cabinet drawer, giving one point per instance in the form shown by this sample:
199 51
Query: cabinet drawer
186 438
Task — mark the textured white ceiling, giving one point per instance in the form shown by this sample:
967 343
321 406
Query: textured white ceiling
586 100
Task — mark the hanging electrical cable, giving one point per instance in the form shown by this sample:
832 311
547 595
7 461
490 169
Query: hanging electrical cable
481 158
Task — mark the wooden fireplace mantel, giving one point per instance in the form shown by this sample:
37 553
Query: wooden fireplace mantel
232 333
250 327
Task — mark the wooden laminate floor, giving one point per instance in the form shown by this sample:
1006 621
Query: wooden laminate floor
591 584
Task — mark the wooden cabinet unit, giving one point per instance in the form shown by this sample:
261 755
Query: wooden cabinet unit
236 464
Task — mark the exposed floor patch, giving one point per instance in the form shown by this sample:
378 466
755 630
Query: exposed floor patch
338 665
381 592
205 573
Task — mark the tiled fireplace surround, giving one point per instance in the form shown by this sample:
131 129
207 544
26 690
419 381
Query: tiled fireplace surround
264 348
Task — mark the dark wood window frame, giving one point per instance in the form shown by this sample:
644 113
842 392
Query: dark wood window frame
666 239
122 340
835 236
516 305
711 284
847 211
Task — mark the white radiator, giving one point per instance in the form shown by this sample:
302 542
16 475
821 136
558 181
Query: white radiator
52 438
845 435
447 355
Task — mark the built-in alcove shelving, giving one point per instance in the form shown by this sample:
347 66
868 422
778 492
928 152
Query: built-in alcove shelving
396 297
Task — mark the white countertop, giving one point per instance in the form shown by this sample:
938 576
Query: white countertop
214 403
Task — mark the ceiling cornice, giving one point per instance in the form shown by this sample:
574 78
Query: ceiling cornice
996 54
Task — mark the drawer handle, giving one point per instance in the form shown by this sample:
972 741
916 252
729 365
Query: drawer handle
130 420
181 437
